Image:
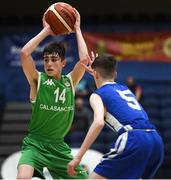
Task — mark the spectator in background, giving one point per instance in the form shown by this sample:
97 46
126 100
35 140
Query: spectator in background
81 123
136 89
82 89
82 116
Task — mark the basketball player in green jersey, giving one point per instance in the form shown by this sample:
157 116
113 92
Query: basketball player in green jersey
52 97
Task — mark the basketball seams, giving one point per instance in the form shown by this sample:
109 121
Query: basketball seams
57 31
68 10
52 8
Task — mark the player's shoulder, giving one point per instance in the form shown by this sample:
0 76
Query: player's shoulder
67 77
94 95
95 98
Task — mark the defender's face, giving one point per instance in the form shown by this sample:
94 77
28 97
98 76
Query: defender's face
53 64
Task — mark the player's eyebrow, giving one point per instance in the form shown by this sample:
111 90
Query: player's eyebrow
51 56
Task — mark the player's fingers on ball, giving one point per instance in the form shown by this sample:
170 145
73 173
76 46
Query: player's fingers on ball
76 12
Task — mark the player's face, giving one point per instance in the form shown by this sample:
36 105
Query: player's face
53 64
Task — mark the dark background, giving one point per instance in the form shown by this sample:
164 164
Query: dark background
32 10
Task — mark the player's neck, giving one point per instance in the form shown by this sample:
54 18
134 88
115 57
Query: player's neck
57 77
101 82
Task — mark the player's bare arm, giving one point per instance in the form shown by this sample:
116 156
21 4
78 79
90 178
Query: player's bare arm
79 70
96 127
27 61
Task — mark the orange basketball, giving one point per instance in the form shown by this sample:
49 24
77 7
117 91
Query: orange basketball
61 18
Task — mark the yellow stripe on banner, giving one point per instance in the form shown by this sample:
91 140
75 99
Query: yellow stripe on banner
52 8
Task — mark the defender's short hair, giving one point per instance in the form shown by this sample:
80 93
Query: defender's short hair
105 64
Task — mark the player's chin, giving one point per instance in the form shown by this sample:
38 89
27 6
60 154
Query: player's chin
50 73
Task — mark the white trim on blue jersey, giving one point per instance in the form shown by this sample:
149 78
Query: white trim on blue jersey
112 122
108 83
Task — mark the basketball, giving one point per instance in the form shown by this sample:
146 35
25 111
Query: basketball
61 18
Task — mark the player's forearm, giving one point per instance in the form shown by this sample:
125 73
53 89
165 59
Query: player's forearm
33 43
82 47
91 136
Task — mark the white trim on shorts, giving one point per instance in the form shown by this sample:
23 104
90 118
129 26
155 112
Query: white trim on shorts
47 174
119 147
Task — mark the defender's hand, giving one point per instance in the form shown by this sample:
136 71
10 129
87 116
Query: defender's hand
90 61
72 165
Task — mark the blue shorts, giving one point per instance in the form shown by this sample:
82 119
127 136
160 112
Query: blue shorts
136 154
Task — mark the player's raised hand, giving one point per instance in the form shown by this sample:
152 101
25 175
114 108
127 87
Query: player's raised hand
78 19
90 61
93 56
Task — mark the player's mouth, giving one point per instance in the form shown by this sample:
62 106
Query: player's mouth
49 70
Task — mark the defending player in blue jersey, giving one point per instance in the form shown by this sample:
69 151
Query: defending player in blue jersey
138 151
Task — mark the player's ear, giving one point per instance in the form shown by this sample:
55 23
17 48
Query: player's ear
95 74
64 62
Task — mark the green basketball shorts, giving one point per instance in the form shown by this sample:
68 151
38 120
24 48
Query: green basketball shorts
54 155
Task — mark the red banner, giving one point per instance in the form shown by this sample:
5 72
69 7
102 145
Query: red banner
153 46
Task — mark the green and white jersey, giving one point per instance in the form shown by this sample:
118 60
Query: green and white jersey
53 110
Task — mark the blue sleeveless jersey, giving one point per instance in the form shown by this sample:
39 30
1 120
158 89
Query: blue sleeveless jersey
138 151
122 107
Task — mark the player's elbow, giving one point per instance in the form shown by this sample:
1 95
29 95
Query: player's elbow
23 54
100 124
